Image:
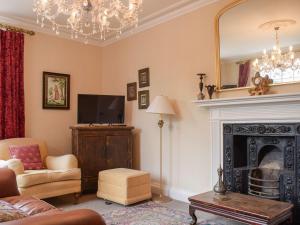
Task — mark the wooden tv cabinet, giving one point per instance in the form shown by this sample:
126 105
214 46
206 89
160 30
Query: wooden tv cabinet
99 148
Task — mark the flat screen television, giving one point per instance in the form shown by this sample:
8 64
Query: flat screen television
100 109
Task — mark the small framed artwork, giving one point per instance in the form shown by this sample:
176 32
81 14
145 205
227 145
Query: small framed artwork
144 77
144 99
131 91
56 91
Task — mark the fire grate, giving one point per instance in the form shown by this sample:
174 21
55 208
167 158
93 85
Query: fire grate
263 188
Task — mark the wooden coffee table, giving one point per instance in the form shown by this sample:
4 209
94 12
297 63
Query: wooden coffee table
244 208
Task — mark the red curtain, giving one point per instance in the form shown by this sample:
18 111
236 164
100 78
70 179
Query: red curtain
12 116
244 74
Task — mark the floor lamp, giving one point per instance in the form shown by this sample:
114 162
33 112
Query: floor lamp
161 105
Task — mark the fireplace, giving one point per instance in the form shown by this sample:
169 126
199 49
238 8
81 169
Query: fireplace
263 160
233 121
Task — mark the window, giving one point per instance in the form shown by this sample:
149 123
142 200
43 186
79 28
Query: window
281 76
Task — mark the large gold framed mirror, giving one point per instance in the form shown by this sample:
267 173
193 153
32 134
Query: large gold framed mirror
258 36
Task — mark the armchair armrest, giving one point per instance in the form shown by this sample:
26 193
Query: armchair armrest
61 162
75 217
8 183
16 165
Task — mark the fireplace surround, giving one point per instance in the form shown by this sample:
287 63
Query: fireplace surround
276 109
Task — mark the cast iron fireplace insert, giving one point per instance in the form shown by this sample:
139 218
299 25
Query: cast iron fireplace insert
263 159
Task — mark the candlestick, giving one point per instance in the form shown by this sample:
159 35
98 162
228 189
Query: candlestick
201 96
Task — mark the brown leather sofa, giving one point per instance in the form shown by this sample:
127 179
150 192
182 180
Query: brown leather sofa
39 212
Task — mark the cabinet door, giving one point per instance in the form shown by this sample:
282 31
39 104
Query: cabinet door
118 151
93 155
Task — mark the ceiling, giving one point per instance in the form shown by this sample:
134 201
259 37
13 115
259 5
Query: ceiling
19 12
241 36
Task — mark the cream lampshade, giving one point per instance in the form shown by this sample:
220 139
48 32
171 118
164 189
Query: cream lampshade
161 105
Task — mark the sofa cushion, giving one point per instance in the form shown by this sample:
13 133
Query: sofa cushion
29 155
8 212
28 205
34 177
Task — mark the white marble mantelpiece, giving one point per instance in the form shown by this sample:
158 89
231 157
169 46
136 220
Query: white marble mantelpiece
279 108
255 100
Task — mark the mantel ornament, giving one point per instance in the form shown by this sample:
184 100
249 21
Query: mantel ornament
211 90
261 85
201 96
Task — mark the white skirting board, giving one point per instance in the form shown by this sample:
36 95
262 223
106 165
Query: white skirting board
174 193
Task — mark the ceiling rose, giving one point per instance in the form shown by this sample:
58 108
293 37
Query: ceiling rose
86 18
270 25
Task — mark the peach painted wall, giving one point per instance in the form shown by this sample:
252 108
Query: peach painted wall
53 54
175 51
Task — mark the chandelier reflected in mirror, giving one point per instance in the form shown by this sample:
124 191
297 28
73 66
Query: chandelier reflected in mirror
278 62
88 18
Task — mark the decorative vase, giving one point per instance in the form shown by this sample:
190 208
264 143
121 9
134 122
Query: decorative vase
211 90
201 96
220 187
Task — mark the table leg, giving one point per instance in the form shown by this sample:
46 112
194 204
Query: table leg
192 214
289 221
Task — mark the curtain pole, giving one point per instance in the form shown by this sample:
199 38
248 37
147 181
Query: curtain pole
16 29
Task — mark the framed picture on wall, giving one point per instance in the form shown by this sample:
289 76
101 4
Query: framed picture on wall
144 97
144 77
56 91
131 91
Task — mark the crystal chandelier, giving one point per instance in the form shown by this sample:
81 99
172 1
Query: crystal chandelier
86 18
277 59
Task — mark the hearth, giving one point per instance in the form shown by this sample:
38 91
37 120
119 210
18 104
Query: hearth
263 160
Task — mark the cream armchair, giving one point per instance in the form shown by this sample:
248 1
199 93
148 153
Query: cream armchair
61 175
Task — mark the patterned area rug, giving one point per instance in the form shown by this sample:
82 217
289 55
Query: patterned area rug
150 214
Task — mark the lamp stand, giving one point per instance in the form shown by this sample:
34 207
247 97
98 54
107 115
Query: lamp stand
161 198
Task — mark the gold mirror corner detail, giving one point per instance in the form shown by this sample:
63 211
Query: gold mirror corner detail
217 43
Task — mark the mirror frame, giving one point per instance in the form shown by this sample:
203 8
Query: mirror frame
227 7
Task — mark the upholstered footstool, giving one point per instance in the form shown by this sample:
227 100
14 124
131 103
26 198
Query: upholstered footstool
124 186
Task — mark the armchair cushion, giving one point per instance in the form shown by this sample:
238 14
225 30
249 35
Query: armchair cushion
61 162
35 177
4 146
29 155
